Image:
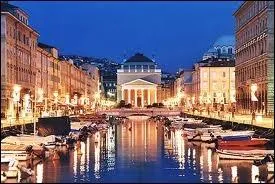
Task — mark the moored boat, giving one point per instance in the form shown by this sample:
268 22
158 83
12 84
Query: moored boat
243 143
270 167
34 140
243 154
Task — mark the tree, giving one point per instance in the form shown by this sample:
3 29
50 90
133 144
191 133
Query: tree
128 106
161 105
121 104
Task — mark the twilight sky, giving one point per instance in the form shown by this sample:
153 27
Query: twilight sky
177 33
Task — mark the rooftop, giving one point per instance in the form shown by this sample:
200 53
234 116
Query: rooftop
140 58
6 7
45 46
228 40
220 63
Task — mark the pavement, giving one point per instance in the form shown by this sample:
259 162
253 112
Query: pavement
12 121
240 118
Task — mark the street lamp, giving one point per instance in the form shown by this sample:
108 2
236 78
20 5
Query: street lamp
233 100
253 99
97 98
55 94
16 98
67 102
39 99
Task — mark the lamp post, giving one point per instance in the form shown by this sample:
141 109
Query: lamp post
97 98
55 94
233 101
39 98
67 101
253 99
16 98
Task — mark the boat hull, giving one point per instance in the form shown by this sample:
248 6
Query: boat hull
270 167
243 143
243 154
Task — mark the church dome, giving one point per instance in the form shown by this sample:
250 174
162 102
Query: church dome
139 58
225 41
212 50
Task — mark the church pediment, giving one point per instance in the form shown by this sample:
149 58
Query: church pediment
139 82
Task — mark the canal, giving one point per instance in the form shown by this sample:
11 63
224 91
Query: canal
142 151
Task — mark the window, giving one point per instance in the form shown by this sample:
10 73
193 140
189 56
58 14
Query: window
229 50
19 35
219 51
204 85
214 85
214 75
223 85
204 74
132 67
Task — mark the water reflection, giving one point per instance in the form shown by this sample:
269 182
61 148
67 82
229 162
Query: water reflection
143 151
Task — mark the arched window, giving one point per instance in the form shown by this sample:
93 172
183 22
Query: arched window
224 50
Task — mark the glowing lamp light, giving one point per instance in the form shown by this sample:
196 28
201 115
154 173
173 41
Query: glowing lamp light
55 94
75 99
16 87
253 90
254 87
67 99
40 94
16 93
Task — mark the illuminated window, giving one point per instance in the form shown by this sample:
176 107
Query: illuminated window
214 75
204 74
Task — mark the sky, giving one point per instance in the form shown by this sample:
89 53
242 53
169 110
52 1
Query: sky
175 33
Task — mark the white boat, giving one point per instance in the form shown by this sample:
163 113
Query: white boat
203 134
270 166
3 177
234 133
7 156
34 140
244 154
10 152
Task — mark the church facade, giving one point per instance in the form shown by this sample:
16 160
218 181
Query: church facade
138 81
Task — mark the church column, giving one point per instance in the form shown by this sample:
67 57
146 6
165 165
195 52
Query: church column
155 93
135 97
129 94
142 97
148 96
122 96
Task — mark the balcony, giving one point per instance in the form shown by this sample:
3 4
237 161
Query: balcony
138 71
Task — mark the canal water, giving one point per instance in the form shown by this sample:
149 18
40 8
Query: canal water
142 151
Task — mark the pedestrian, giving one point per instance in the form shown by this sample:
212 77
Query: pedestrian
253 117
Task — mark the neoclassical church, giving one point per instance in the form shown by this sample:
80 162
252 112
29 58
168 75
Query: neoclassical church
138 80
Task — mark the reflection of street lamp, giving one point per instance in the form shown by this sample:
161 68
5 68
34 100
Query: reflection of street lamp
253 99
233 100
16 98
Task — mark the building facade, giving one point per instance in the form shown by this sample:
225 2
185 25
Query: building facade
33 78
138 81
18 62
213 84
79 86
186 74
254 34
